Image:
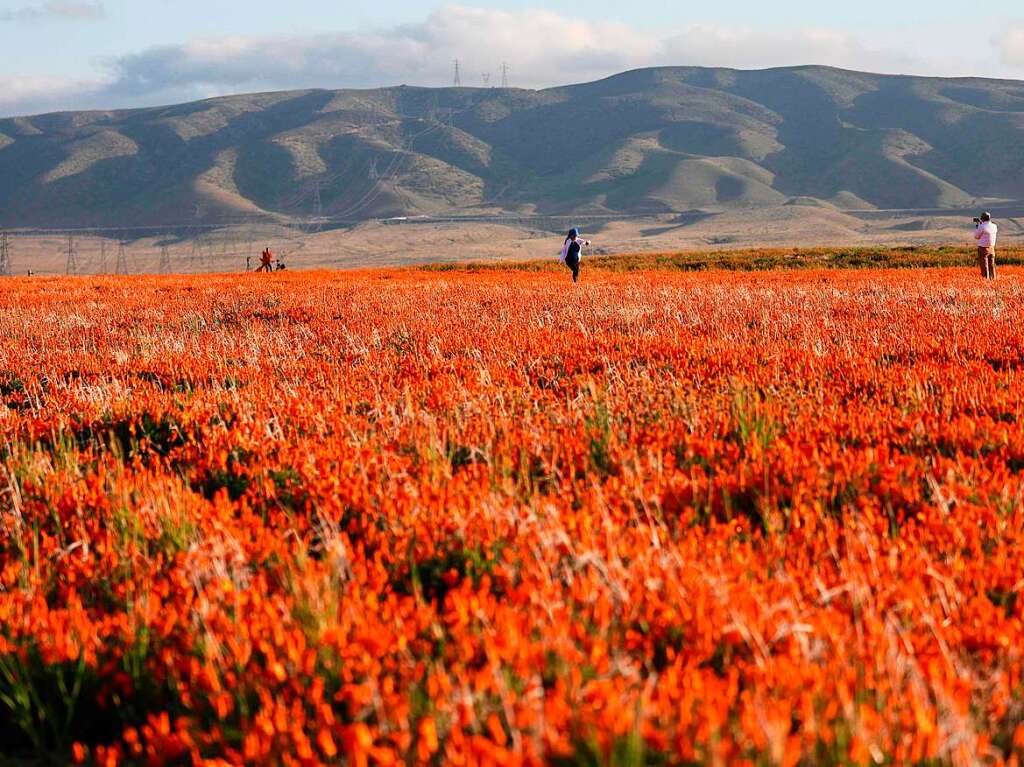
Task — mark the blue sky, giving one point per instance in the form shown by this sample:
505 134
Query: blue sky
113 53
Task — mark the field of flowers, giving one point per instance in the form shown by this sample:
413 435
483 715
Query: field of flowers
484 517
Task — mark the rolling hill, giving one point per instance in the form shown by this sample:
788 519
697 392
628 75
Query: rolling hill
642 142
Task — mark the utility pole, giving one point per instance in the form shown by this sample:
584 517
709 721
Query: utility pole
103 255
458 75
71 267
5 255
165 260
504 74
122 259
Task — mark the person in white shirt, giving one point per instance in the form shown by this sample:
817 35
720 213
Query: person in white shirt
572 249
986 232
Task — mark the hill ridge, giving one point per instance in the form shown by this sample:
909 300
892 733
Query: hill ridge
649 140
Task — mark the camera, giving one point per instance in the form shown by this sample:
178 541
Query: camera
977 221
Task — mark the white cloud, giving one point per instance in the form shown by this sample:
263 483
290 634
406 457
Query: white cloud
56 9
748 47
1011 46
42 92
543 48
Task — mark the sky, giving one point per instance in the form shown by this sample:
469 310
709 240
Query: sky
105 54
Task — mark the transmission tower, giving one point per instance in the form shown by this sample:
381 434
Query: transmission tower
318 208
71 267
249 246
487 79
504 75
122 259
103 255
165 260
228 249
5 255
194 257
372 172
458 75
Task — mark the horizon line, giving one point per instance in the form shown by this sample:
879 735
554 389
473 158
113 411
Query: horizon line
468 88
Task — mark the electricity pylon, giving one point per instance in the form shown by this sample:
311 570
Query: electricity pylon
103 255
318 208
458 75
71 266
165 260
248 246
227 253
5 255
122 259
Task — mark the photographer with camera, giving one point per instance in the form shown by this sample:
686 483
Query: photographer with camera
985 232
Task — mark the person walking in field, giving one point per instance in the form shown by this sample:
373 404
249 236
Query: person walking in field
986 232
266 261
572 251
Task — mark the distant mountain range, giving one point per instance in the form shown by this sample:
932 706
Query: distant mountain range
646 141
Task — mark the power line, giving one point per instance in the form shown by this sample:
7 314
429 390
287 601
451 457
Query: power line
221 223
5 255
390 173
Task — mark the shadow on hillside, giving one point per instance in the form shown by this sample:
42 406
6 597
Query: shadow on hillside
683 220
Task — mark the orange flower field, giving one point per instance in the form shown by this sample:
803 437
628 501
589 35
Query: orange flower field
484 517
